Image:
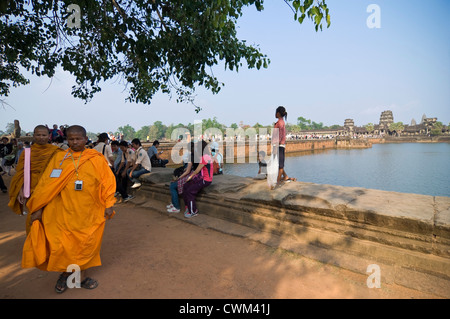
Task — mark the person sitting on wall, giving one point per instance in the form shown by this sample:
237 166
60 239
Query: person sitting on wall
141 165
218 162
262 164
153 154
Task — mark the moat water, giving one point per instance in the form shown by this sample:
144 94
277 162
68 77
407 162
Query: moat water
420 168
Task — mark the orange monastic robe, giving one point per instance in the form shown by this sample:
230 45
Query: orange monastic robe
40 156
72 220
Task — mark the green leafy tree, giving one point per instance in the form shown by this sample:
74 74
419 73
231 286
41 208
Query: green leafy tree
369 127
156 131
153 133
398 127
150 46
316 126
437 128
303 123
9 128
160 130
292 128
128 132
258 126
171 128
190 127
143 133
212 123
92 136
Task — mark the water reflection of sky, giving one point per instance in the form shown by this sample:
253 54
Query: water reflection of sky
420 168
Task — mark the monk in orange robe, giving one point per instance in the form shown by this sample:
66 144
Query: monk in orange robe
40 154
69 206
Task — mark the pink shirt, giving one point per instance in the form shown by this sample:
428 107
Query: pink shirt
207 176
281 131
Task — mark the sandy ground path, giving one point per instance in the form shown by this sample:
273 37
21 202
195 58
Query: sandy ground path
146 254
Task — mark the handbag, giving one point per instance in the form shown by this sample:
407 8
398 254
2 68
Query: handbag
181 182
10 157
177 172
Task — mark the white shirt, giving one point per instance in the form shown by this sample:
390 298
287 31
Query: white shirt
143 159
130 156
108 154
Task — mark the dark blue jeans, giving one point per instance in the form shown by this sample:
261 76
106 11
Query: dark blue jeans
174 193
136 173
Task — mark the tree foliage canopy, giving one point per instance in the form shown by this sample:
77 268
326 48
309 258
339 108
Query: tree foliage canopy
397 126
150 46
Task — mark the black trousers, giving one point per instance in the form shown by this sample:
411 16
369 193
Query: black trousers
2 184
122 184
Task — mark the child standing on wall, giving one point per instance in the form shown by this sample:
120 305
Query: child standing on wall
281 113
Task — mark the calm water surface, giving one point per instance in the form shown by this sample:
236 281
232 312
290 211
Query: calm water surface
421 168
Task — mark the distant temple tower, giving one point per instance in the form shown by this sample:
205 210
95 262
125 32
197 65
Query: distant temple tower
423 118
386 119
349 126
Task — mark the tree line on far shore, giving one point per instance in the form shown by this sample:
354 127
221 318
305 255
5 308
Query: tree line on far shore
160 131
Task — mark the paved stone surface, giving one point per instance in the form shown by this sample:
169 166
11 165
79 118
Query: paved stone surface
334 224
147 253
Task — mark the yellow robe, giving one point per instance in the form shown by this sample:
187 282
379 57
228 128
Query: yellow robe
40 156
72 220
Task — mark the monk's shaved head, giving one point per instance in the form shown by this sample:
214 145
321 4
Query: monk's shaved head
76 138
40 127
40 135
76 129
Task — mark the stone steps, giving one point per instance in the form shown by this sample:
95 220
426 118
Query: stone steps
415 259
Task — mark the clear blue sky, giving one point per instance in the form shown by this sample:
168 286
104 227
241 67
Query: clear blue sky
345 71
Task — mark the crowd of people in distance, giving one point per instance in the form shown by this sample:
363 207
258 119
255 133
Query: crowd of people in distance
128 161
317 136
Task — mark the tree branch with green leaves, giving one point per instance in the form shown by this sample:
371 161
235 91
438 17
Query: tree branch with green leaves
149 46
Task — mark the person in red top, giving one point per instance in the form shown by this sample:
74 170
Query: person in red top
281 113
199 179
54 133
